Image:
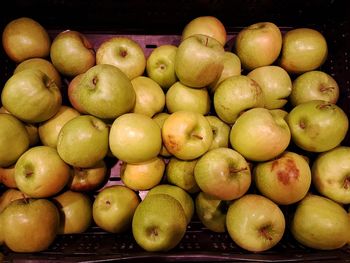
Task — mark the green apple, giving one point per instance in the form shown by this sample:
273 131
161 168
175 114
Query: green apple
124 53
150 97
83 141
187 135
160 118
314 85
114 207
30 225
258 45
260 134
312 125
160 65
14 139
275 83
255 223
223 173
285 180
25 38
159 223
7 176
135 138
72 53
244 91
199 61
320 223
303 49
179 97
221 132
8 196
73 96
31 96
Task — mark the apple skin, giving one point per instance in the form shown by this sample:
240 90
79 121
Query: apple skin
25 38
258 45
223 173
314 85
7 176
160 118
160 65
303 49
320 223
124 53
260 134
330 174
114 208
221 132
30 225
8 196
187 135
255 223
31 96
285 180
275 83
159 223
72 53
243 90
199 61
312 125
73 96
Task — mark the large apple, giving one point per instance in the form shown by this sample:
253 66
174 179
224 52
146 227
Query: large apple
187 135
223 173
31 96
244 91
124 53
221 132
73 96
72 53
258 45
160 118
255 223
25 38
199 61
312 125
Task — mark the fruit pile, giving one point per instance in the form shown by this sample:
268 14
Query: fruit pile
229 136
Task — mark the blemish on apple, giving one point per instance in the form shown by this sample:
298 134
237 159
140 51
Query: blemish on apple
288 173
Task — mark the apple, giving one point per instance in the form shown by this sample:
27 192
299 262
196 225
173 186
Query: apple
187 135
8 196
314 85
31 96
160 118
142 176
320 223
275 83
114 207
14 139
179 97
41 173
25 38
73 96
330 174
181 173
72 53
223 173
244 91
105 92
285 179
199 61
160 65
258 45
150 97
206 25
221 132
255 223
83 141
7 176
312 125
135 138
159 223
303 49
49 130
124 53
30 225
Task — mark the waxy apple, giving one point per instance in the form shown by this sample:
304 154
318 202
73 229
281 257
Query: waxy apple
221 132
73 96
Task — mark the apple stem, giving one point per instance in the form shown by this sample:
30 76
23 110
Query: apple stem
197 136
237 170
206 41
264 232
94 80
326 89
25 199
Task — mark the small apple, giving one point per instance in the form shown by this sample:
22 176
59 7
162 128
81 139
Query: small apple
255 223
8 196
199 61
73 96
187 135
221 132
72 53
160 118
114 208
312 125
25 38
124 53
7 176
